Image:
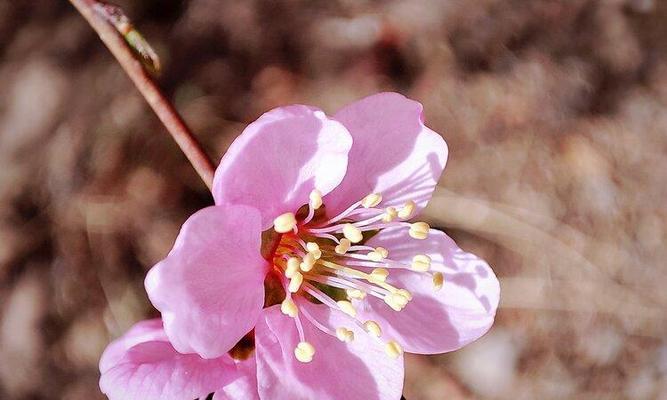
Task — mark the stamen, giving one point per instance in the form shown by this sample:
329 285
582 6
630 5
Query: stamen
355 294
317 323
378 275
308 262
284 223
371 200
352 233
314 249
295 282
407 210
347 307
304 352
288 307
396 301
343 247
405 293
393 349
419 230
315 199
292 266
390 214
379 254
343 214
373 328
421 263
344 335
438 280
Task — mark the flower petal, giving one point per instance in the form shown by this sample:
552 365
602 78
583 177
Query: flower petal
435 321
359 370
244 388
394 153
210 287
280 158
142 364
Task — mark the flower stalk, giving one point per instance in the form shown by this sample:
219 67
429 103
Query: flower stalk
107 20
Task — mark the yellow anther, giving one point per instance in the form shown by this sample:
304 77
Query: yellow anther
312 246
343 247
421 263
315 199
373 328
347 307
405 293
393 349
379 254
355 294
407 210
288 307
390 214
396 301
314 249
292 266
352 233
295 282
308 262
378 275
438 280
304 352
371 200
344 335
419 230
284 223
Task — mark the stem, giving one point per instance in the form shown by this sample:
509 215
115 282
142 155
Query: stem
148 88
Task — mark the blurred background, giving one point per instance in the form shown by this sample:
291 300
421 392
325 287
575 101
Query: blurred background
555 113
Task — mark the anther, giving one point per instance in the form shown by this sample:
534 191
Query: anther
421 263
379 254
352 233
373 328
343 247
315 199
344 335
405 293
292 266
393 349
284 223
396 301
419 230
407 210
288 307
347 307
295 282
308 262
314 249
438 280
355 294
371 200
304 352
390 214
378 275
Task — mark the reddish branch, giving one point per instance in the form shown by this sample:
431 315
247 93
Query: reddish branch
93 12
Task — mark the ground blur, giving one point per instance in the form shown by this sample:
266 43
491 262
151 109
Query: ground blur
555 113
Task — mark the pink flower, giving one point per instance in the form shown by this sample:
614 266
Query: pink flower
349 284
142 364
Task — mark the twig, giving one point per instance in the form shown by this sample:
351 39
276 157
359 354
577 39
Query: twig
102 20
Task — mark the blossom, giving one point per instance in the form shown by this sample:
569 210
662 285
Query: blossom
142 364
312 243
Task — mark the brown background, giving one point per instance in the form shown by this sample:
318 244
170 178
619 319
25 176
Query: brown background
555 115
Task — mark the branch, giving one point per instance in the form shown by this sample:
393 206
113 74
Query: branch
109 22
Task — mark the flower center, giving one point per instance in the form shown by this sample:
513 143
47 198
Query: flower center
327 261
